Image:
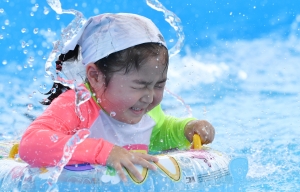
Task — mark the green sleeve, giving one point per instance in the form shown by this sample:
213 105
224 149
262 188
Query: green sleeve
168 133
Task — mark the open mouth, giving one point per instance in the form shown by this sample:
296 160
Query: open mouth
137 110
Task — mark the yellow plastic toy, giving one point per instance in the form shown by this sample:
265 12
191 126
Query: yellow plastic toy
14 150
197 141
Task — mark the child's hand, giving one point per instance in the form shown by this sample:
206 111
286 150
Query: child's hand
201 127
120 157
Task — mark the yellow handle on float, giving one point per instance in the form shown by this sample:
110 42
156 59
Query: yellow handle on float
197 141
13 151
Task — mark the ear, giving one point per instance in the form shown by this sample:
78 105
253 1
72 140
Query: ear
94 76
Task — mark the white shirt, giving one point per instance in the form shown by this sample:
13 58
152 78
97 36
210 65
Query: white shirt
121 134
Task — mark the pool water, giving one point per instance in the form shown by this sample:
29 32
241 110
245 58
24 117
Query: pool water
248 88
255 116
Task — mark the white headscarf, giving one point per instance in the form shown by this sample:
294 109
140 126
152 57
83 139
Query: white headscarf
108 33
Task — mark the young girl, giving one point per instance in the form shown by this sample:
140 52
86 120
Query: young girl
126 62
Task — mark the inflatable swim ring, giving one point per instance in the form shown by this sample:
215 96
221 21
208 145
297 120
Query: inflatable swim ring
192 170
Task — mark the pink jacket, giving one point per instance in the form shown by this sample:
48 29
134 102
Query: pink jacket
43 142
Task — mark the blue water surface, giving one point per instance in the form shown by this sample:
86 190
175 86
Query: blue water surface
239 69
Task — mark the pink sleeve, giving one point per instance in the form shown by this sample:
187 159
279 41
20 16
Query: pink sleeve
43 142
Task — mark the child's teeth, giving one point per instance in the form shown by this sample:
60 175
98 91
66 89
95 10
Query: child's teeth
136 109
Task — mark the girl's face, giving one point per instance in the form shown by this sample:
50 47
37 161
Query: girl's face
127 97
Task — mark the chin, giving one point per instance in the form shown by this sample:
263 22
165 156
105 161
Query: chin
133 121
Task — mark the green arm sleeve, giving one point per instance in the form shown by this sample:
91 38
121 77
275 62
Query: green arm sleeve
168 132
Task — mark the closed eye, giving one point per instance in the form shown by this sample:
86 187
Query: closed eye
144 87
160 85
140 84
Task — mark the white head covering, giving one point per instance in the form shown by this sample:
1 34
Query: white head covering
108 33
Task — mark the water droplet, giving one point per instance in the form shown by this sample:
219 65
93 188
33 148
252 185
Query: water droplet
19 67
54 138
31 14
23 44
53 90
1 10
25 51
34 78
81 118
230 13
162 140
40 52
25 66
171 40
3 27
29 96
4 62
31 59
57 17
112 114
29 107
254 7
1 36
36 5
35 30
44 86
23 30
56 86
6 22
46 10
98 100
155 66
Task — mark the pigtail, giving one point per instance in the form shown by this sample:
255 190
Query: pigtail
58 88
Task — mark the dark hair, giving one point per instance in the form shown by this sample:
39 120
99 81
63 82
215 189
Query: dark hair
128 59
131 58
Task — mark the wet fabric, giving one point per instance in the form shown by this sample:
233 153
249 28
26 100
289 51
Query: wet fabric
107 33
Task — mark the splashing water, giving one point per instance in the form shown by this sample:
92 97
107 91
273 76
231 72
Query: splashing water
82 94
55 5
66 35
188 108
174 21
69 149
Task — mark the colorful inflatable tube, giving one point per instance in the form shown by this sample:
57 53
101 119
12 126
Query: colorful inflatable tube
204 169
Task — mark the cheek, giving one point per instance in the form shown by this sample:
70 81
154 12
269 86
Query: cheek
119 98
158 97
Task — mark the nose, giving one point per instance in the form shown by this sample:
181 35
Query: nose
148 97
